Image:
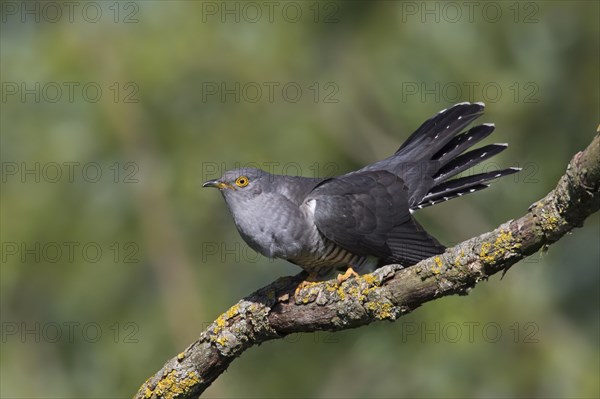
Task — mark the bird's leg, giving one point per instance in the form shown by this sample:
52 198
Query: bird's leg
312 277
349 273
315 276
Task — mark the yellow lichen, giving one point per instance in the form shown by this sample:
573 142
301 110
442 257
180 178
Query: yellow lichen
193 377
457 261
359 288
548 222
485 250
221 322
372 284
222 319
381 310
504 242
331 287
170 386
370 279
355 292
147 393
337 288
233 311
307 291
437 269
310 290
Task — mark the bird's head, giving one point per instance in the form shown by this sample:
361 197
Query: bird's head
241 184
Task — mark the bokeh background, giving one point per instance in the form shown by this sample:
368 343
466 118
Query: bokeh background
114 258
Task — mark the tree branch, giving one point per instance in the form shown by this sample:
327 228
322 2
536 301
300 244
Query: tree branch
386 294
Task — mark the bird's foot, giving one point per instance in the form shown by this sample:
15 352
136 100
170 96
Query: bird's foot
305 283
349 273
301 286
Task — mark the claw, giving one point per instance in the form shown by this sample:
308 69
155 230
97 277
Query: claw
349 273
300 287
309 279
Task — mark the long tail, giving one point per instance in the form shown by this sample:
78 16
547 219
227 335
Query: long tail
435 153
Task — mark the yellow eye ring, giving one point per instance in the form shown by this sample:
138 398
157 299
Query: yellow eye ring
242 181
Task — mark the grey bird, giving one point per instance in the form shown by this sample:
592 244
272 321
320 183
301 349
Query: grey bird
359 221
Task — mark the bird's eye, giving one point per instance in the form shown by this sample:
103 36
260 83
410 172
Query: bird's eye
242 181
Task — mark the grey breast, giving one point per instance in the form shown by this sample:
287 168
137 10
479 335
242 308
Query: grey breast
272 222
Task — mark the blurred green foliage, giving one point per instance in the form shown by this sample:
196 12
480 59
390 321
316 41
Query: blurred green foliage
86 324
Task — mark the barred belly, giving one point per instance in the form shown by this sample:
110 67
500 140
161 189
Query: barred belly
333 259
324 258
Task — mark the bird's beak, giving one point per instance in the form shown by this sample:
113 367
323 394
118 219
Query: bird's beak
216 183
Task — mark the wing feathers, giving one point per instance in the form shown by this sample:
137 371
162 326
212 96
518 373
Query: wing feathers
367 214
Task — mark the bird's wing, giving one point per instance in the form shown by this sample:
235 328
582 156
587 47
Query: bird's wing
367 213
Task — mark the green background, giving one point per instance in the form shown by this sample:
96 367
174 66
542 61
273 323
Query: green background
96 326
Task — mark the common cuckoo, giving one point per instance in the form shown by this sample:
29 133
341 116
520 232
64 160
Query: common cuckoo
363 219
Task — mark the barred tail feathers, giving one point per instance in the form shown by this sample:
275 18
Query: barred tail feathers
436 152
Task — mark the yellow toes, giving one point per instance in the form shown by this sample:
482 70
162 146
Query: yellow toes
349 273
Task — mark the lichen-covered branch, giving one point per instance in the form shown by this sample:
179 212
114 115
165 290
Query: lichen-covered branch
391 291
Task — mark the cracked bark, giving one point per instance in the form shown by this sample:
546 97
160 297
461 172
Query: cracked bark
274 311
